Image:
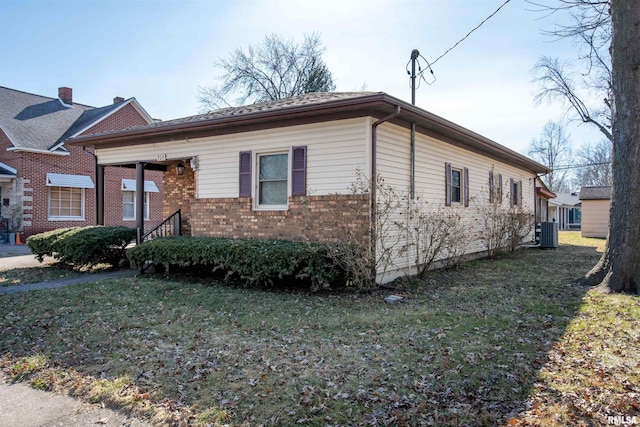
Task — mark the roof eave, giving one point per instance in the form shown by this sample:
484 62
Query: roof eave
380 102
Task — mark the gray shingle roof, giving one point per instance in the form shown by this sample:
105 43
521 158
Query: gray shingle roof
566 199
314 98
596 193
39 122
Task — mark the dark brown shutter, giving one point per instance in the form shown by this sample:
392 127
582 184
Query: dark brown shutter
492 187
500 188
520 193
447 187
245 174
299 171
466 187
511 195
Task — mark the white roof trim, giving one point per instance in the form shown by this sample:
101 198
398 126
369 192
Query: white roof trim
7 135
131 101
130 185
64 180
9 168
35 150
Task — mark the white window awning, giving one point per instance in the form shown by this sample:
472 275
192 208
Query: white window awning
130 185
64 180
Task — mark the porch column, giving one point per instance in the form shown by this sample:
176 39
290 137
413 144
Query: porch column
99 195
139 201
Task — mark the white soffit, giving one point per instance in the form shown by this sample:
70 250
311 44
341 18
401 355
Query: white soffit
130 185
64 180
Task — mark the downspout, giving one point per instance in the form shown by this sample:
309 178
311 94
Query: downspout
373 183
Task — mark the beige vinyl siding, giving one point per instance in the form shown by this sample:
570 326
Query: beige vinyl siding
595 218
431 155
334 151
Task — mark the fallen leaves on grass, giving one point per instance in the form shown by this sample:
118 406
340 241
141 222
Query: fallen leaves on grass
494 343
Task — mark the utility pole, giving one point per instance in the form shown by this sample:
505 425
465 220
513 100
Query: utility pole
412 190
414 56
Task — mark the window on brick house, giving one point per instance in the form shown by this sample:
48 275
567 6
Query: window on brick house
129 205
67 196
129 198
273 172
66 203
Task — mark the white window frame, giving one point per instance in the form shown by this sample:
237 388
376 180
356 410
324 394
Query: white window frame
460 188
256 179
66 218
146 206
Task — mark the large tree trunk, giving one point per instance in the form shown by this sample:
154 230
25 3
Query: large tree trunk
619 268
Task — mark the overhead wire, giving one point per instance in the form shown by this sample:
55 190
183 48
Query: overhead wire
458 42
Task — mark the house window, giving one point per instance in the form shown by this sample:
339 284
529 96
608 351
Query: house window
129 205
272 180
129 198
455 185
516 192
66 203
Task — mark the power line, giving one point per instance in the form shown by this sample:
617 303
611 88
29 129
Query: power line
469 33
584 165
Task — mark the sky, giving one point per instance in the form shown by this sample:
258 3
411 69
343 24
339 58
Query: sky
162 51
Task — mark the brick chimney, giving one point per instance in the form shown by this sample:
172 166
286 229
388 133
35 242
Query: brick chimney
66 95
118 99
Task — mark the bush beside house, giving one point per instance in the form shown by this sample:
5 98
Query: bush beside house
83 246
253 261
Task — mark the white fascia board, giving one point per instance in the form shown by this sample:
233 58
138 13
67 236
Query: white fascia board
7 135
130 185
131 101
141 110
35 150
9 168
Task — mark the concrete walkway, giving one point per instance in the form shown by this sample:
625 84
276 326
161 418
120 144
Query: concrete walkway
59 283
23 406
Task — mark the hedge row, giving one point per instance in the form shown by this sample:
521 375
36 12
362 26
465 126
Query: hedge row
255 262
83 245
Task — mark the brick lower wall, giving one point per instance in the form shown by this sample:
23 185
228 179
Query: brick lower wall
317 218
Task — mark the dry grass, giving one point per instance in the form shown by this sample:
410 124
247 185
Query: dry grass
505 342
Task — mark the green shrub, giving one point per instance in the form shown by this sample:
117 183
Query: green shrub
83 246
255 262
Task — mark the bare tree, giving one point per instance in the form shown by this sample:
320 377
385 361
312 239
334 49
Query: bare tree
595 23
552 150
619 268
595 161
276 69
590 72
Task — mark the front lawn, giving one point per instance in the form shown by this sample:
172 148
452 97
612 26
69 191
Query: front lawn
506 342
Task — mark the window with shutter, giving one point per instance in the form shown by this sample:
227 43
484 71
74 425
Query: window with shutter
447 181
299 171
273 170
466 187
492 187
245 174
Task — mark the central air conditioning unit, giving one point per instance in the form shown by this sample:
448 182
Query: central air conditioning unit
549 235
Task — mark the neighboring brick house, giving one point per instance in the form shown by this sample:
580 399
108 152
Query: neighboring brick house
283 169
51 185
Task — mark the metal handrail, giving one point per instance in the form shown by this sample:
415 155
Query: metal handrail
172 226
